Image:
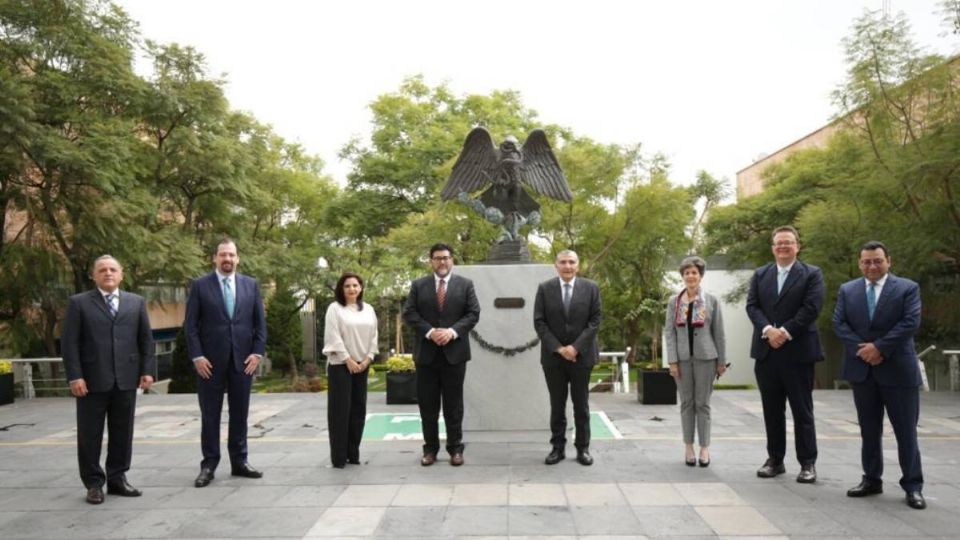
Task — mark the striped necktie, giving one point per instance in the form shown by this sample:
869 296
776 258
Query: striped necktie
108 298
441 294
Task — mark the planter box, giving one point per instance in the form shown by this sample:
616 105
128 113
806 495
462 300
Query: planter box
656 387
6 388
401 388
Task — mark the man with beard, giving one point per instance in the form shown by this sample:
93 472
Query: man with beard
441 308
226 337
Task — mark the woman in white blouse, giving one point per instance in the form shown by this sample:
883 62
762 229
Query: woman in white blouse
350 343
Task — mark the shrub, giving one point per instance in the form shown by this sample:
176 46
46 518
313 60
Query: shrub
400 364
6 366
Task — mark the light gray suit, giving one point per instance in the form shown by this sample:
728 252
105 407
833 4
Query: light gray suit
697 370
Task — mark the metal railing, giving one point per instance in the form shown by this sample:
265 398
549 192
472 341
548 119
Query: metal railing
620 382
24 368
953 368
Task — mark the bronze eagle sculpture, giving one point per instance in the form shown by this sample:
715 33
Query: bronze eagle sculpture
507 169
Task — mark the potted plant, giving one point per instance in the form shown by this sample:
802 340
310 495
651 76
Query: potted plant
6 382
655 386
401 380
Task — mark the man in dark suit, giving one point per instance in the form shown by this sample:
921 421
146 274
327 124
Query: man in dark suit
441 309
226 337
876 318
783 303
108 353
566 316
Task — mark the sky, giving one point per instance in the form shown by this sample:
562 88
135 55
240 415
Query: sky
711 84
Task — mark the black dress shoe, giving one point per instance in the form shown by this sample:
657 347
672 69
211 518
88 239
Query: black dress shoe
428 459
95 495
245 470
584 458
771 469
556 456
123 488
353 461
691 462
865 488
456 459
703 462
808 474
204 478
915 500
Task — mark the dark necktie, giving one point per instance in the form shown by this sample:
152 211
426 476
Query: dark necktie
441 294
110 307
871 299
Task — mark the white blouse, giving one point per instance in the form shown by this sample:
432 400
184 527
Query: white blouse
349 332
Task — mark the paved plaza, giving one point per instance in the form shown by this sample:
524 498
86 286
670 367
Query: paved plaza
637 488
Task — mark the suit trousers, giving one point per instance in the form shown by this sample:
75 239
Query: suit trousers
903 407
696 386
441 383
565 377
210 392
117 407
346 412
781 381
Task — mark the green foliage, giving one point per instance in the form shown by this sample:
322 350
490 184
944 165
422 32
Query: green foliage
6 366
400 364
284 331
183 375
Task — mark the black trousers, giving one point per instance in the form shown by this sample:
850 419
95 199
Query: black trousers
565 377
903 407
117 407
441 383
346 412
781 381
210 392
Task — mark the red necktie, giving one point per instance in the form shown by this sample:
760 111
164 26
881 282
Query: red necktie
441 294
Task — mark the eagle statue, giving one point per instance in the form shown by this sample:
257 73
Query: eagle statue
506 170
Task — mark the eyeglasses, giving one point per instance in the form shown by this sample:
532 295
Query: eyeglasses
784 243
442 259
872 262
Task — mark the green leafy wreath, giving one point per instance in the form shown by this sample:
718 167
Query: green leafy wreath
501 350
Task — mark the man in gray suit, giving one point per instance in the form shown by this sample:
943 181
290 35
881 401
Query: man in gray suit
566 316
108 353
441 309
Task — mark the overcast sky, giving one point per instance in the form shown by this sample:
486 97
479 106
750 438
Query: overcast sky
711 84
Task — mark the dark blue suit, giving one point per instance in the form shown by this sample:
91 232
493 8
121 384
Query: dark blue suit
226 342
894 383
787 373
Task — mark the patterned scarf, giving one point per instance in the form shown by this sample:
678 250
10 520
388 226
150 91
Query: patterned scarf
699 310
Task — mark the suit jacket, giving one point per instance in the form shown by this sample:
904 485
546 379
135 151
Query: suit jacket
796 308
461 311
212 334
105 351
896 319
577 327
709 342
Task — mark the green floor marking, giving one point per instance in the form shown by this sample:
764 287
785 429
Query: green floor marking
406 427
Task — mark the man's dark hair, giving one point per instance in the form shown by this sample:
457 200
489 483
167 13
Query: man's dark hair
338 291
440 246
875 244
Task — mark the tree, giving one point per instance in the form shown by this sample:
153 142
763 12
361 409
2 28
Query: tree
285 343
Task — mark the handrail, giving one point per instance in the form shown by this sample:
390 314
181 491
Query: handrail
29 391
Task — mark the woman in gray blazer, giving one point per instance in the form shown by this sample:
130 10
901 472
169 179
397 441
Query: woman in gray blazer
693 334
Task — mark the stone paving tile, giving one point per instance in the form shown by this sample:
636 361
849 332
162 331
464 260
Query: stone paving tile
480 495
191 497
341 522
765 494
372 495
652 494
155 523
310 496
253 497
476 520
805 520
658 521
737 520
597 520
869 521
527 520
250 522
594 495
537 495
411 522
423 495
709 494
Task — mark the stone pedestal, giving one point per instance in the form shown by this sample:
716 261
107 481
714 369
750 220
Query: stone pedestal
505 392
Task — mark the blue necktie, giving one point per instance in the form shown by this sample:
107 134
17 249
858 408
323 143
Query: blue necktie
109 299
781 278
228 298
871 299
566 296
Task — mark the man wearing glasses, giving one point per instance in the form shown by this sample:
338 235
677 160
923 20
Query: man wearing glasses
876 318
783 303
441 309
